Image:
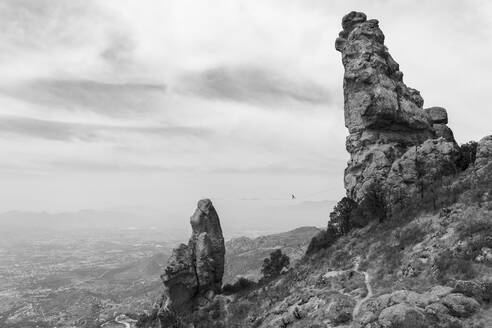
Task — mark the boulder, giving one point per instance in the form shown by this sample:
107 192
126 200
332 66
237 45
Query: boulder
340 309
402 316
460 305
470 288
439 291
413 177
436 309
484 152
438 115
179 279
443 131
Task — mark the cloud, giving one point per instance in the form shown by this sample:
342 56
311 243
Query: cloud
120 49
111 99
68 131
278 169
115 166
251 84
40 24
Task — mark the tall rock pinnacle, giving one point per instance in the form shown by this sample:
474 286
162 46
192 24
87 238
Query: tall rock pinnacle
194 271
385 118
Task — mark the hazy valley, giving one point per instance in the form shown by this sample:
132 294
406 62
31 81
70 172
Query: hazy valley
64 277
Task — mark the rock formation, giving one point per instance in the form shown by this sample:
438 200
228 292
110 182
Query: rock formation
194 271
429 270
389 128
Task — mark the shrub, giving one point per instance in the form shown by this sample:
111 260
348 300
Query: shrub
145 320
341 259
347 215
373 206
487 290
341 217
239 285
478 234
411 235
323 239
449 266
273 266
468 154
471 228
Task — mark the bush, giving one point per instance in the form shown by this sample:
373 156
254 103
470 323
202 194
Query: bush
468 154
487 290
449 266
323 239
145 320
373 206
478 234
347 215
411 235
239 285
273 266
341 217
471 228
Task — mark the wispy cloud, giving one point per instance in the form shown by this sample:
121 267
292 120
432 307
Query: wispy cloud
251 84
108 166
111 99
40 24
68 131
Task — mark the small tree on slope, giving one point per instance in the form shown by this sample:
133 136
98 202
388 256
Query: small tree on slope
273 266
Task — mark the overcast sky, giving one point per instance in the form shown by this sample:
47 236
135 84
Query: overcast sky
115 103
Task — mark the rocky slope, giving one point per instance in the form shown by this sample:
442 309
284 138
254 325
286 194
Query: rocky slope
432 271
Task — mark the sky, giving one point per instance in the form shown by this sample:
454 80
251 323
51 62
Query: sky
157 103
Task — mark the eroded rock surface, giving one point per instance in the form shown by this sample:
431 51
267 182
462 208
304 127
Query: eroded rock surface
385 118
194 271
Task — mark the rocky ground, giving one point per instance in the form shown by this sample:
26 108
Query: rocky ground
428 272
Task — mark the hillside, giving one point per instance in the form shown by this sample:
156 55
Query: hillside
434 270
244 256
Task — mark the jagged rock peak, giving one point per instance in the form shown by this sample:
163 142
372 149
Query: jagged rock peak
194 271
385 117
375 95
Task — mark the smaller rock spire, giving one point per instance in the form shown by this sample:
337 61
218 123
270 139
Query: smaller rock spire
194 270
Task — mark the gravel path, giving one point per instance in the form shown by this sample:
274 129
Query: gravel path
367 280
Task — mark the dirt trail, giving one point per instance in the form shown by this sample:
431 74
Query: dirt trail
367 280
123 320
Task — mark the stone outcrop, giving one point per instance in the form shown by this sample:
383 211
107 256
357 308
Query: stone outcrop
194 271
418 173
484 152
389 128
405 308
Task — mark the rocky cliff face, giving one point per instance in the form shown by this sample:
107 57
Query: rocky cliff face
194 272
389 128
